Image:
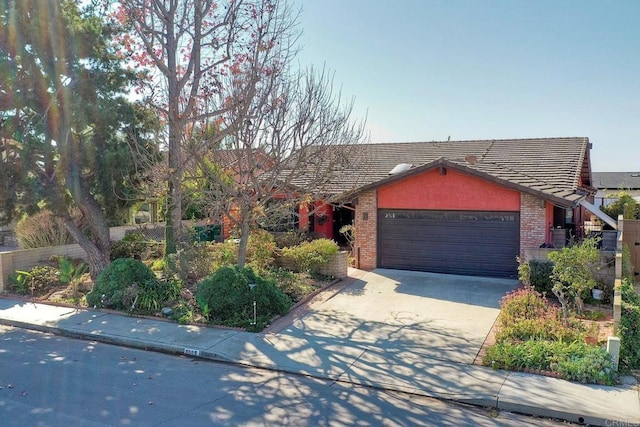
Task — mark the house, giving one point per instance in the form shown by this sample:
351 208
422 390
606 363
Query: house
463 207
608 183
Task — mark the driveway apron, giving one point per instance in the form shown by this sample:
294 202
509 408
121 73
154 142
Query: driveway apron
408 315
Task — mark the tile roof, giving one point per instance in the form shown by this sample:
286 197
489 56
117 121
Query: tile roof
556 168
616 180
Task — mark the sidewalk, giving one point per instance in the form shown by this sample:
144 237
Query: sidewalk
337 360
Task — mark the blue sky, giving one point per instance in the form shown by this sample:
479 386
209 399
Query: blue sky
425 70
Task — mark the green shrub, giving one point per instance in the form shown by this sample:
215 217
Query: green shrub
158 265
628 292
225 254
588 365
309 256
295 285
541 355
228 298
627 264
573 273
550 327
112 283
624 205
525 314
574 361
135 245
629 330
287 239
540 276
43 278
260 249
150 295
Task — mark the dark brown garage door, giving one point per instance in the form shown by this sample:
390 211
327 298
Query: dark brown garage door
454 242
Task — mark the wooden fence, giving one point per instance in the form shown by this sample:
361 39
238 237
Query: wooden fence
631 238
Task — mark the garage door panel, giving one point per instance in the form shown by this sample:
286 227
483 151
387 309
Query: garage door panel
476 243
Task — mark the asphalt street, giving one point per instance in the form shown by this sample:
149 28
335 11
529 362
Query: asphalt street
48 380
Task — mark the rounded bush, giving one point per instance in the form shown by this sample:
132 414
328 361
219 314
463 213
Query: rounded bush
308 256
110 288
228 299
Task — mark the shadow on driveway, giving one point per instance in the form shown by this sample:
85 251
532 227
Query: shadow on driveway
409 313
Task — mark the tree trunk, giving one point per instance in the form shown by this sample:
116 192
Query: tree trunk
562 298
175 124
170 240
244 241
97 255
173 233
97 250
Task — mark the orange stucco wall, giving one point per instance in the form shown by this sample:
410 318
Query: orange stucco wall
323 217
452 191
548 221
324 220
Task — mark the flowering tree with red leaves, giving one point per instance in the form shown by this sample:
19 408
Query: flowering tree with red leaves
198 60
297 144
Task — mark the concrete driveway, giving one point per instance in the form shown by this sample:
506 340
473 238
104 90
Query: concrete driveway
412 315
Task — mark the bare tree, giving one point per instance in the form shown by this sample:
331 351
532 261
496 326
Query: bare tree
190 53
293 143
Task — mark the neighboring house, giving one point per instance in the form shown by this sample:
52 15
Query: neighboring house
610 183
463 207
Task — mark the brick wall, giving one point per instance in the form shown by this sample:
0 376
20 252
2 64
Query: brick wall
337 266
228 224
366 227
533 220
